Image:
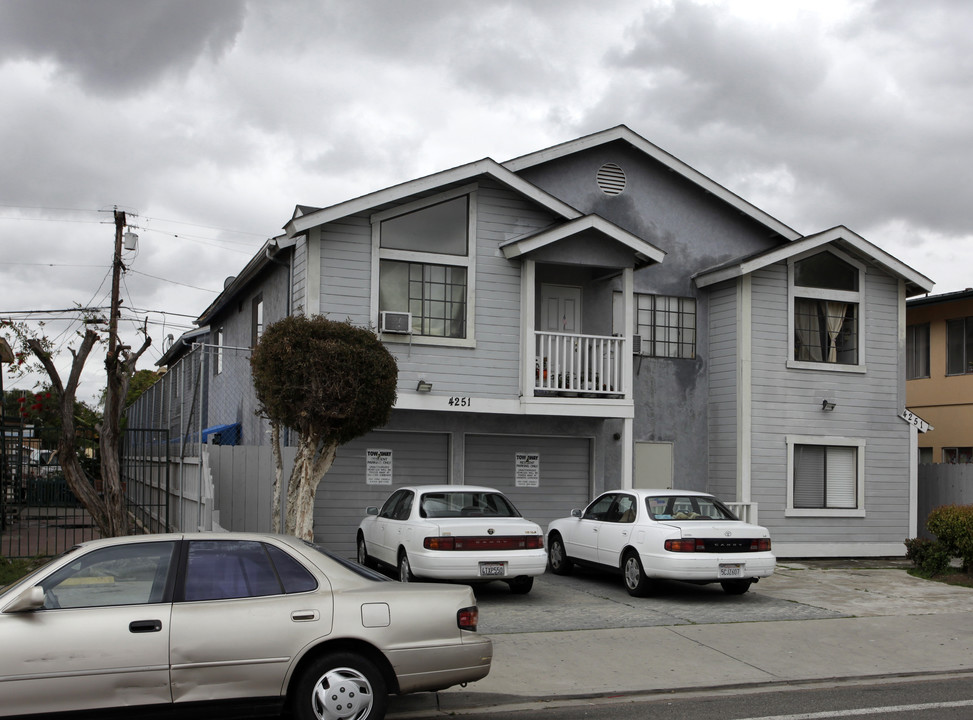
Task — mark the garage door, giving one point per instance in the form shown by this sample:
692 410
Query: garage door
562 472
343 495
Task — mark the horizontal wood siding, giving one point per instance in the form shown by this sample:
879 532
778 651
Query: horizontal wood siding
299 280
722 406
788 401
346 275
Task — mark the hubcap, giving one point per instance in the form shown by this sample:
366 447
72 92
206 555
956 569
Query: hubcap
632 574
361 552
342 694
557 554
404 570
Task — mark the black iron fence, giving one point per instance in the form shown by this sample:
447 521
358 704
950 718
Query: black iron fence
39 514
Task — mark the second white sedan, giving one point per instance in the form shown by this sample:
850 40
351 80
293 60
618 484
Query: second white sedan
672 534
453 532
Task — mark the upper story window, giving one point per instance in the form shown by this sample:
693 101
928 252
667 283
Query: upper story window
917 351
426 263
256 319
826 317
218 365
667 325
959 346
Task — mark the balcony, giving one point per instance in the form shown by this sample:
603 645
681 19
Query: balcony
572 365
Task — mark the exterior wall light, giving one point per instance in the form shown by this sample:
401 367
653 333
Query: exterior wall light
827 405
424 386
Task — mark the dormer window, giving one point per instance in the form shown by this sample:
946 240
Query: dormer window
826 322
425 264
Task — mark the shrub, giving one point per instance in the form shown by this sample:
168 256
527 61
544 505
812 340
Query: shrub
930 558
953 527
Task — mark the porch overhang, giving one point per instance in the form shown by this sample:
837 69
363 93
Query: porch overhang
637 252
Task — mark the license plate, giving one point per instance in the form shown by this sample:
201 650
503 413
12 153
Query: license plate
493 569
734 570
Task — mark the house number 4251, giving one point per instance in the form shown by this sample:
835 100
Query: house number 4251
460 402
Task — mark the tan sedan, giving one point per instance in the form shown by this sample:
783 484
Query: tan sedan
228 618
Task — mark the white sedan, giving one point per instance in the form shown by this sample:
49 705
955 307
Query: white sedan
672 534
453 532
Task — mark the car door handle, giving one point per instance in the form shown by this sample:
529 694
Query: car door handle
145 626
305 615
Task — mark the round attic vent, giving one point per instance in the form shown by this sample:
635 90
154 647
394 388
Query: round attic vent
611 179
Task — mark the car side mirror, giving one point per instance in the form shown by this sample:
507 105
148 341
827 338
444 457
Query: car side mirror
576 513
30 599
371 510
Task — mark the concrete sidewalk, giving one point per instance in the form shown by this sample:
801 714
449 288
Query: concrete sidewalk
877 621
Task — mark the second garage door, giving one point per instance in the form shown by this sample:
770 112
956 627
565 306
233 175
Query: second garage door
553 480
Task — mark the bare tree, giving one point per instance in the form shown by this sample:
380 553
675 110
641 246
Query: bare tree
330 382
108 508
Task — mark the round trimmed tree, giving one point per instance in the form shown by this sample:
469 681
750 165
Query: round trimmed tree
328 381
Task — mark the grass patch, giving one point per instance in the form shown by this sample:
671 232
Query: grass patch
953 576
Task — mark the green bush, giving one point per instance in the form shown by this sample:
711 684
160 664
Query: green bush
930 558
953 527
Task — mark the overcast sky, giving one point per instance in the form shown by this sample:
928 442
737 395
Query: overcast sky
208 121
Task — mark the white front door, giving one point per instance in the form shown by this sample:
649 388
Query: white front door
560 308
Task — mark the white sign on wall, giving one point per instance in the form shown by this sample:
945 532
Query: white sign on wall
527 469
378 467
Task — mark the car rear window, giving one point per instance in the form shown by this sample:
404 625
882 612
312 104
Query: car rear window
466 504
687 507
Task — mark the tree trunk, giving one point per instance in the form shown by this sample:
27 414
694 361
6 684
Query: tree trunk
278 476
310 466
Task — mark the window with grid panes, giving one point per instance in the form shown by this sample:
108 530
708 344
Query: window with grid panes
667 325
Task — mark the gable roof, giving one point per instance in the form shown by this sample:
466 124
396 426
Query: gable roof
645 253
624 134
839 236
490 168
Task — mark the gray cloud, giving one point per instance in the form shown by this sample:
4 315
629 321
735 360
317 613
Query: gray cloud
117 47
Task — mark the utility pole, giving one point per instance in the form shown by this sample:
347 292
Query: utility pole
116 279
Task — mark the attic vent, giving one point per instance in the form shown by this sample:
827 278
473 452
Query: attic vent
611 179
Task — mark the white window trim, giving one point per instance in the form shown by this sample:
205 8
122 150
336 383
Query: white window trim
468 261
859 443
823 294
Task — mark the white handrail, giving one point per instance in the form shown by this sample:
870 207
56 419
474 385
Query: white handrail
572 363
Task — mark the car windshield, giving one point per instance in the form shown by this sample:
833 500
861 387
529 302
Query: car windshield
687 507
466 504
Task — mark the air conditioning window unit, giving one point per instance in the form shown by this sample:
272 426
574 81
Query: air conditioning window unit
395 322
636 344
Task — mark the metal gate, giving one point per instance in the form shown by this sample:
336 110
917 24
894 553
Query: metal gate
41 517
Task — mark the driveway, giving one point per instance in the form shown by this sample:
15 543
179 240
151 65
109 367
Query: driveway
798 590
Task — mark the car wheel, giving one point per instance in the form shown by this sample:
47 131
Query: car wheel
405 569
521 584
637 584
363 558
557 557
736 587
341 686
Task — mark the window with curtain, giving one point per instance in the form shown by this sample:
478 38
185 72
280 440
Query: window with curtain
959 346
825 477
826 310
424 267
917 351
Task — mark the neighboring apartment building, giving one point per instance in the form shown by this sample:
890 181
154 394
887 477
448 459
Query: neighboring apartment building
599 315
939 362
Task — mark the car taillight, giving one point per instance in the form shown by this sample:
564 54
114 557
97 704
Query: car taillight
502 542
685 545
760 545
467 618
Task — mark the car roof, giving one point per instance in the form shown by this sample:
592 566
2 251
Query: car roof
450 488
213 535
648 492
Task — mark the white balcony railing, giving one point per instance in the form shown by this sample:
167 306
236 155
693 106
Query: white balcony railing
578 364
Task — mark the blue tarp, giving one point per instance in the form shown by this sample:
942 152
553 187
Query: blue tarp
228 434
